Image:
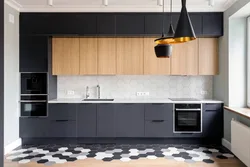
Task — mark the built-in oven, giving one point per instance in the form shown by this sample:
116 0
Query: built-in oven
33 83
187 118
33 106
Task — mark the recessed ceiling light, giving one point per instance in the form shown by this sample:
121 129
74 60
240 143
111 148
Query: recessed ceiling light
159 2
105 2
50 2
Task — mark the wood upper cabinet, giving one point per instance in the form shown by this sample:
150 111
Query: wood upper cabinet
152 64
88 56
129 54
208 56
184 59
106 56
65 56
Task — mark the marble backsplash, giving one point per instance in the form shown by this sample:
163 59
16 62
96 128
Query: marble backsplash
126 86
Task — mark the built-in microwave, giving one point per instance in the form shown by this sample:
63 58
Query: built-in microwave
33 83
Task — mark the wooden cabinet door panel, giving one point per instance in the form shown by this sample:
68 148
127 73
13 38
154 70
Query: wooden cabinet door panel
129 54
65 56
106 56
208 56
152 64
88 56
184 60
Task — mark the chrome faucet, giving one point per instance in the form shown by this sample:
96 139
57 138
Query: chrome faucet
98 91
87 92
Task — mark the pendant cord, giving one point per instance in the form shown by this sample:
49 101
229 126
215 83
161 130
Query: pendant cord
171 10
163 19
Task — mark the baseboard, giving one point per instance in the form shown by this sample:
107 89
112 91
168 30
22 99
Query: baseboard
10 147
226 144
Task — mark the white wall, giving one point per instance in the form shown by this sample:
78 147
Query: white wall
127 86
11 76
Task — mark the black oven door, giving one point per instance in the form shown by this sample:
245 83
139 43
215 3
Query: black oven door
33 109
187 121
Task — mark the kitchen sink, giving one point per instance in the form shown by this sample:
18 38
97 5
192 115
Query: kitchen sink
98 99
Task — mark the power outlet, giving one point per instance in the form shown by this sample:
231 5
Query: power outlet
203 92
11 18
142 93
70 92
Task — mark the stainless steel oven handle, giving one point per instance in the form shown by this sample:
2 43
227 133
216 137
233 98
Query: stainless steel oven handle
33 101
188 109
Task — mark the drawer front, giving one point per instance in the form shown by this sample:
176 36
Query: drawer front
62 129
212 106
158 129
62 112
158 111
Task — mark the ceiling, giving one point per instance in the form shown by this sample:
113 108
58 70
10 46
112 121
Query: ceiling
115 5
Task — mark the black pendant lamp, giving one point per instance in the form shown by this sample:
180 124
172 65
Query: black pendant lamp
184 31
163 49
169 39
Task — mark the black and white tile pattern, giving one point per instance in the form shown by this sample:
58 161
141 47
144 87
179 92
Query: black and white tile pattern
56 154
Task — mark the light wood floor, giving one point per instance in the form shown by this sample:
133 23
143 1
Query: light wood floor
160 162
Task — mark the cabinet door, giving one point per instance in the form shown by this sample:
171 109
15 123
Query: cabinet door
152 64
88 56
65 56
208 56
106 24
62 128
196 19
129 120
212 122
129 53
33 127
62 112
33 54
106 56
86 120
184 60
105 120
87 24
129 24
213 24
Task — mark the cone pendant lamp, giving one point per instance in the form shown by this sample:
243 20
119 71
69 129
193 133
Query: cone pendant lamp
184 31
163 49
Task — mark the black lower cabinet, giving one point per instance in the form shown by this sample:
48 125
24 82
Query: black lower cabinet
129 120
62 128
34 127
86 120
158 120
157 129
105 120
62 112
212 121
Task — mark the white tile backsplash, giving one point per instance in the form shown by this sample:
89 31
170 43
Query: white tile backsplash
126 86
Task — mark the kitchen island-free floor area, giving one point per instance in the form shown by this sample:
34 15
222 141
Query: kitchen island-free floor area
122 155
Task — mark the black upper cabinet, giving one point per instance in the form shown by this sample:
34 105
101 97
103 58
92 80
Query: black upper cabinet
58 24
86 24
33 54
130 24
115 24
106 24
196 20
212 24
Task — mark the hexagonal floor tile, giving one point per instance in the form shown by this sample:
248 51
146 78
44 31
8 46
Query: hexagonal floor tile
209 161
151 157
125 159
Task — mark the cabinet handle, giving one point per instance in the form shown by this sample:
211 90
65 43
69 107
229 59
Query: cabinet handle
158 121
157 104
62 120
